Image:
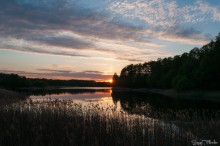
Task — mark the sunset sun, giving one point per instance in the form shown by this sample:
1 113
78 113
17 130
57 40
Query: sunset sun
110 81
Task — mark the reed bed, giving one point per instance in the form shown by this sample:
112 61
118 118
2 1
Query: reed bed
64 123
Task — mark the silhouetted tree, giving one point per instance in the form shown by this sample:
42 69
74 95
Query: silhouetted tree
115 79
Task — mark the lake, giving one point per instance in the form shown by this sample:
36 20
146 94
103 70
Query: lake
199 119
83 95
125 100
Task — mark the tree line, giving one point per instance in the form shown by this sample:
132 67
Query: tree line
14 81
197 70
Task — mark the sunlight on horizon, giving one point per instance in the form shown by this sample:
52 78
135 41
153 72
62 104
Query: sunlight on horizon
109 81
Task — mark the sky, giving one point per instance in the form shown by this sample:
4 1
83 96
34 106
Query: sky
92 39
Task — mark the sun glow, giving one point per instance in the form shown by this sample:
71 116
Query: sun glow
110 81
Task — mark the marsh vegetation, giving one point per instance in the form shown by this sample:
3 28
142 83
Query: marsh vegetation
140 120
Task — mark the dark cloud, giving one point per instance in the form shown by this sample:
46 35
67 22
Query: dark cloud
36 21
53 70
42 51
67 73
15 72
190 33
187 32
65 42
40 21
93 72
130 59
23 20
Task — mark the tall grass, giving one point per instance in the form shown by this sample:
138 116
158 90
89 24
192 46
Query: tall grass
64 123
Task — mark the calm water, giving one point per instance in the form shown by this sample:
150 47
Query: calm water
83 95
126 100
201 119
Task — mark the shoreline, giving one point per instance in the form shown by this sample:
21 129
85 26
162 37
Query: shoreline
5 93
189 95
10 96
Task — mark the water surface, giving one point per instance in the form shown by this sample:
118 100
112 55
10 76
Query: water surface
201 119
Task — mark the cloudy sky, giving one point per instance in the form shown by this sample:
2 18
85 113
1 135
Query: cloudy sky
92 39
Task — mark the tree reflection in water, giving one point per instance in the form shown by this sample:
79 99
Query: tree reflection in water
201 118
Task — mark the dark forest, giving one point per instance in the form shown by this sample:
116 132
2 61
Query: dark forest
197 70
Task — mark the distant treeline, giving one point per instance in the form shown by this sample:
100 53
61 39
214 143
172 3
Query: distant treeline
14 81
197 70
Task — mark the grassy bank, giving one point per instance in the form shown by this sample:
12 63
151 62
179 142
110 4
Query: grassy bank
8 97
64 123
9 94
